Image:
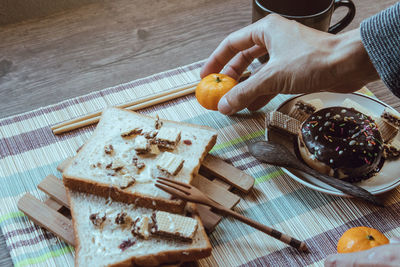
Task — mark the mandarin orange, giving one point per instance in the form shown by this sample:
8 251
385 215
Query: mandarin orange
360 238
211 89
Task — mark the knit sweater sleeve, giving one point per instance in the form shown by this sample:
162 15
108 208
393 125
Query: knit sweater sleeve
380 35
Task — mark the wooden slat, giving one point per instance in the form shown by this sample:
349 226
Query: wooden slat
227 173
209 219
215 192
222 184
53 204
46 217
54 187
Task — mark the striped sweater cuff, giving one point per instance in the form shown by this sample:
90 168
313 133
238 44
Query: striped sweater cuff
380 35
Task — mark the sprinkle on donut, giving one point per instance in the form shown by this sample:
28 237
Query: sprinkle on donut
344 139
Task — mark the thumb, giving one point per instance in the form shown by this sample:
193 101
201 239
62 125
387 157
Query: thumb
243 94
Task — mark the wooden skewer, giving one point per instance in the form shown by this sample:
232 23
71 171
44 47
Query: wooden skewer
140 103
88 121
126 105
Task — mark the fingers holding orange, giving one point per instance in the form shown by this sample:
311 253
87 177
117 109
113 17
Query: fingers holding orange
242 60
229 47
360 238
211 89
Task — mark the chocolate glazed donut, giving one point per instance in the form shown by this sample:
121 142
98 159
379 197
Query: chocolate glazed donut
342 143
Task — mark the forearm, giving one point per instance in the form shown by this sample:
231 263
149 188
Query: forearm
380 35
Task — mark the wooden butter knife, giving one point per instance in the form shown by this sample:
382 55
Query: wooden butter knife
278 155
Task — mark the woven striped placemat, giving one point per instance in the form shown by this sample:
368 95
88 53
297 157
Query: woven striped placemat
29 151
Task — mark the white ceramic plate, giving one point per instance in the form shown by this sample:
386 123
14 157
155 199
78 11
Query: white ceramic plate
389 176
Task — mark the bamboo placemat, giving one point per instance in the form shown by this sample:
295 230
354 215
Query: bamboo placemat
29 151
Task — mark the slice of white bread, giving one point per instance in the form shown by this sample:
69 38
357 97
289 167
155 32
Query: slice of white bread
115 163
113 244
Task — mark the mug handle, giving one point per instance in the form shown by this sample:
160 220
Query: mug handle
347 19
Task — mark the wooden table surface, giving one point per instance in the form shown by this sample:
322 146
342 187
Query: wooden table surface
94 46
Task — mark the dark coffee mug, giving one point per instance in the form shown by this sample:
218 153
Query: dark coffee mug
316 14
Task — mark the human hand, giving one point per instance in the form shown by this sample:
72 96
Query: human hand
302 60
382 256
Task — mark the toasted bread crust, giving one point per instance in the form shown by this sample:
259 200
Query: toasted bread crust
77 245
115 193
105 190
166 257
